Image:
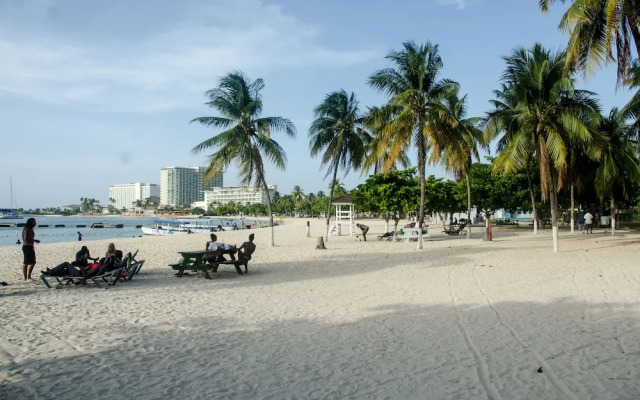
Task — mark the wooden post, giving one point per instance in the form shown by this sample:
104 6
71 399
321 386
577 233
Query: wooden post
308 230
320 245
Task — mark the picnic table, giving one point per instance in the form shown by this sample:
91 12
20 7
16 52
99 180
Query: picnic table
192 261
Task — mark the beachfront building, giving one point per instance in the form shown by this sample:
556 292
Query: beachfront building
243 195
126 194
181 186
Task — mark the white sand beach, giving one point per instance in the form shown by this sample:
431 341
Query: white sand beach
461 319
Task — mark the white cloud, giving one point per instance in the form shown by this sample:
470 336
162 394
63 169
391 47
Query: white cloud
460 4
212 40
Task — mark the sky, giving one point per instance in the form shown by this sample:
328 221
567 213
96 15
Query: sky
96 93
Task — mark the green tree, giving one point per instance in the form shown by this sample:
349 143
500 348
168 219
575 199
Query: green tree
247 137
413 89
379 156
618 160
392 193
596 28
336 134
550 115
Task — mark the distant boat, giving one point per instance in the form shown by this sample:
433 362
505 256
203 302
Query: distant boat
10 213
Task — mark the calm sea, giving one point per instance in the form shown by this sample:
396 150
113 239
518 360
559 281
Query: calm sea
65 229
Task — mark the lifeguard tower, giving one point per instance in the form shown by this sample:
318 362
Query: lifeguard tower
345 211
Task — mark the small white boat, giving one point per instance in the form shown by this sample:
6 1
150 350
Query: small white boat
160 231
10 213
7 213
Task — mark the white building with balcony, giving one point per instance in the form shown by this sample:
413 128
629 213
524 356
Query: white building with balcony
243 195
126 194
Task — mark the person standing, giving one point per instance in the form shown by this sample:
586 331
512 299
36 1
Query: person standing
588 220
364 230
28 250
79 236
581 221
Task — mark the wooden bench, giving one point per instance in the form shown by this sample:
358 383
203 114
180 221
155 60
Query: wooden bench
213 267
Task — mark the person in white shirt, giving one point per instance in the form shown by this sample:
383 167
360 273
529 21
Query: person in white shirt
588 221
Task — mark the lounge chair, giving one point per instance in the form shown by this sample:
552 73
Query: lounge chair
109 272
454 230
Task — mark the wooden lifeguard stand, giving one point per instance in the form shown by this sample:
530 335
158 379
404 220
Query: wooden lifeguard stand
345 211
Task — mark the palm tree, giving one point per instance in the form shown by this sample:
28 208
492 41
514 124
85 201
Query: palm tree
338 187
513 142
632 110
413 89
596 28
247 137
619 160
335 132
457 140
297 194
379 156
548 115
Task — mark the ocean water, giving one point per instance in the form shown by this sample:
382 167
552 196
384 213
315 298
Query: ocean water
69 233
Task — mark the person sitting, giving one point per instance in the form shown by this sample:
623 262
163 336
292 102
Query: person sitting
82 258
112 257
246 249
220 248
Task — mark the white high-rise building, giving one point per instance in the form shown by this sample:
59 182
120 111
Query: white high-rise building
243 195
181 186
125 195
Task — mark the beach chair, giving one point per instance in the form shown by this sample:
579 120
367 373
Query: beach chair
110 272
454 230
130 266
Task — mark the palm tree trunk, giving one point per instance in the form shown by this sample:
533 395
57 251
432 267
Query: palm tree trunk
533 199
333 184
266 189
572 204
553 197
613 215
422 157
468 205
386 220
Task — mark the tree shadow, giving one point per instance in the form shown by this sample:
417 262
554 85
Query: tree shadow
462 351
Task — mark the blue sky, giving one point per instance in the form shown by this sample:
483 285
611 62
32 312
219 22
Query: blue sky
95 93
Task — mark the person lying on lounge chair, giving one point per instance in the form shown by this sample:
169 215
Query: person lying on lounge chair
112 261
386 235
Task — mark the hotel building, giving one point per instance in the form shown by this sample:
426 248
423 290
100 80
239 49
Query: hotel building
124 195
243 195
181 186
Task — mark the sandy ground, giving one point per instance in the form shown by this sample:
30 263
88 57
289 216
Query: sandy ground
461 319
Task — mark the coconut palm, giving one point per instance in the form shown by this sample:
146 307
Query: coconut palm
547 114
336 134
457 140
618 160
413 89
246 137
297 194
632 110
596 28
338 187
376 120
513 144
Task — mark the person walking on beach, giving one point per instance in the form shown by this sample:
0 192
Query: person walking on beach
581 221
364 230
588 220
28 250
